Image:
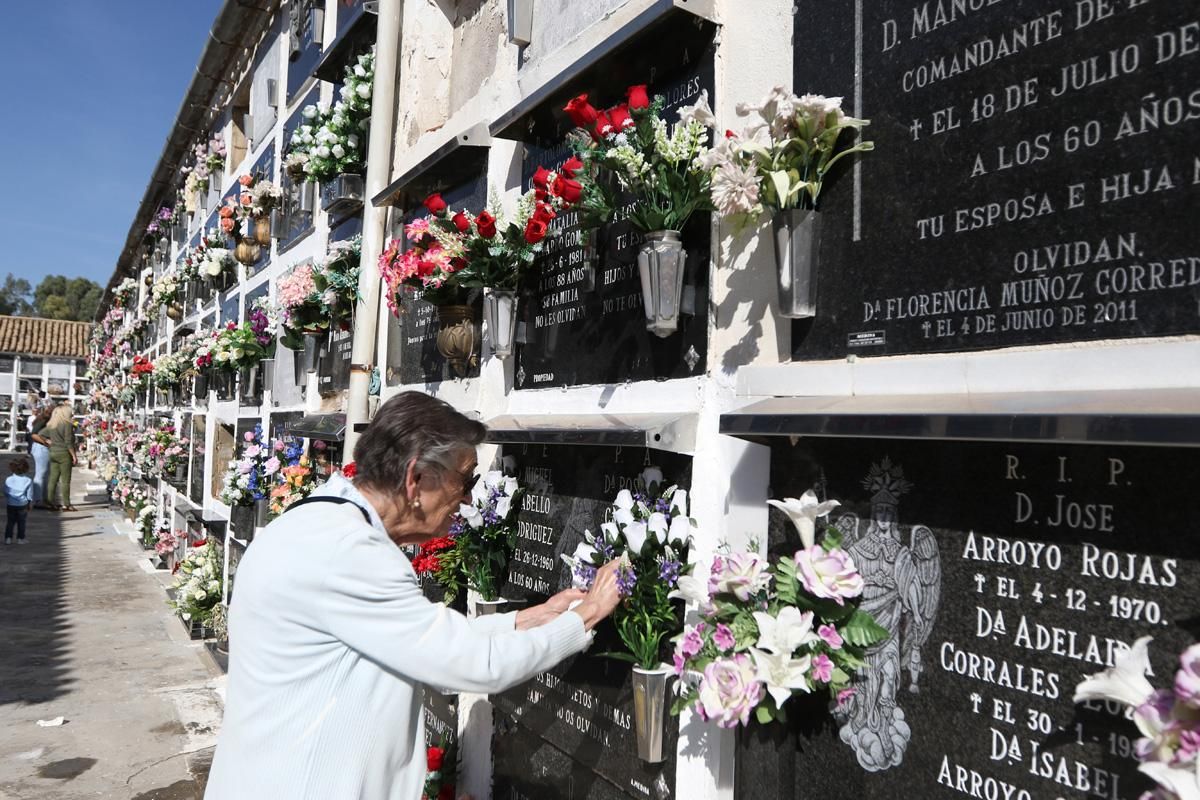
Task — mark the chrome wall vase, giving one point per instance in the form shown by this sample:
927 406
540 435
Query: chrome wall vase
224 382
661 262
250 383
797 250
200 387
308 358
649 711
500 316
343 195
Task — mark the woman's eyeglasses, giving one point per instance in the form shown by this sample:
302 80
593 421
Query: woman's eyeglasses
468 483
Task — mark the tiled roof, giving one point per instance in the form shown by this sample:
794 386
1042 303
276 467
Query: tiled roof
44 337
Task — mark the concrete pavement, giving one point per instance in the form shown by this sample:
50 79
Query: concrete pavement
85 633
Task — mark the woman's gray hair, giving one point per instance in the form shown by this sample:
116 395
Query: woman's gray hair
413 425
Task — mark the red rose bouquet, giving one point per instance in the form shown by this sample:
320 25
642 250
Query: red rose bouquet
440 765
628 149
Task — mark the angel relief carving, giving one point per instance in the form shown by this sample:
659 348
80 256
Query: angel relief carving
902 572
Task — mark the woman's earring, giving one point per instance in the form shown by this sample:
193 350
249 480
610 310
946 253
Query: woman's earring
416 503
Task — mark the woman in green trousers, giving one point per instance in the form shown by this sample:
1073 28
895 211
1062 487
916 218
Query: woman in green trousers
61 433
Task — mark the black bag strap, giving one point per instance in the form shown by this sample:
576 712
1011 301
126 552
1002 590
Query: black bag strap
327 499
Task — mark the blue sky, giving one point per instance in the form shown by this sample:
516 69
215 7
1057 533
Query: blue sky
92 91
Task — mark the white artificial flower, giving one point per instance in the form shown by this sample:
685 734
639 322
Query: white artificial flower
658 525
734 189
1183 781
781 673
610 531
511 486
503 505
651 476
352 141
784 633
309 112
471 514
359 71
698 112
635 536
1124 682
691 590
338 151
681 529
804 512
492 479
679 501
363 90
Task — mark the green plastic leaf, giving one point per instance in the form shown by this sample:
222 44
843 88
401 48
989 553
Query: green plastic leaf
862 630
763 714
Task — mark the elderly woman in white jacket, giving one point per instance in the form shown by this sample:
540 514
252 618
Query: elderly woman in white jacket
332 641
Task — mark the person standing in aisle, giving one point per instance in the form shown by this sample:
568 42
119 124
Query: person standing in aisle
60 432
39 448
332 642
18 491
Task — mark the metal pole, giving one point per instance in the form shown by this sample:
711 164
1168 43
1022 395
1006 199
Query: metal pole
379 167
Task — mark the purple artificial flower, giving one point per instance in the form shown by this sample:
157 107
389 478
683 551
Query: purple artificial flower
1187 679
723 637
669 572
626 580
585 575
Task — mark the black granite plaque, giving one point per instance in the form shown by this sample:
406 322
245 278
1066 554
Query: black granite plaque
420 361
306 46
441 718
1034 178
584 320
334 372
584 706
1006 573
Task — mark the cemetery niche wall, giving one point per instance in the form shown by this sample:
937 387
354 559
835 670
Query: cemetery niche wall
420 360
1006 572
569 731
584 321
1034 179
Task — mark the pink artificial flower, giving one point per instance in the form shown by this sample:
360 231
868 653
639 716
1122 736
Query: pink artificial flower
1187 679
844 696
729 691
693 641
743 574
678 662
831 636
828 574
723 637
822 668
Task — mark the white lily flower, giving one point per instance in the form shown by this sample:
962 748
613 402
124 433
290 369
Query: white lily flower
691 590
471 514
511 486
783 634
635 536
782 674
657 524
1124 682
804 512
493 478
1184 780
698 112
610 531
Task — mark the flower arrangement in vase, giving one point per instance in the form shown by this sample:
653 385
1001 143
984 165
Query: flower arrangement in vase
167 544
332 139
771 630
248 478
197 587
651 533
779 163
315 297
1167 719
627 151
295 477
140 372
257 198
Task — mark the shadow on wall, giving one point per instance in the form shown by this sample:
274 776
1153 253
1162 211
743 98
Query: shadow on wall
33 624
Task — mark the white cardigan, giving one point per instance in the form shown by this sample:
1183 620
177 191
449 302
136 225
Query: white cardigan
331 644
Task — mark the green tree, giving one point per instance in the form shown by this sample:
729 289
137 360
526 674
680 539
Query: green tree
60 297
14 296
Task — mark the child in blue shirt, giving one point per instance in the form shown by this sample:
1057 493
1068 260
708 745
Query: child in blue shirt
18 489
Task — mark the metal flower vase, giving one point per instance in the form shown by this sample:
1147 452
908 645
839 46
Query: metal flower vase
250 383
485 608
200 387
650 711
661 262
262 230
174 311
500 315
224 381
308 358
797 248
247 251
456 337
262 510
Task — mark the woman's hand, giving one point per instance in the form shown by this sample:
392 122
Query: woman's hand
602 598
548 611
